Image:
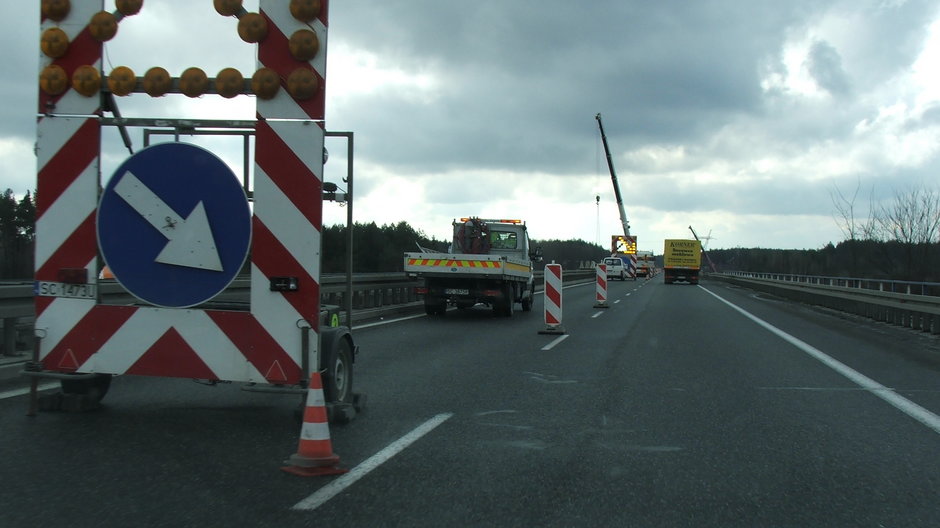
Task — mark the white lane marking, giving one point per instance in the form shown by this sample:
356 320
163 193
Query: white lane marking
576 285
20 392
901 403
390 321
595 316
547 378
617 301
557 340
337 486
627 295
501 411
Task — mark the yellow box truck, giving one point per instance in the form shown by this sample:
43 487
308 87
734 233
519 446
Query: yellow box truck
682 260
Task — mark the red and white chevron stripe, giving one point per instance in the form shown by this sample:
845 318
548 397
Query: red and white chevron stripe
553 295
288 189
601 289
273 52
68 146
263 345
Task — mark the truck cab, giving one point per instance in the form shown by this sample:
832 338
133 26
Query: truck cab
644 263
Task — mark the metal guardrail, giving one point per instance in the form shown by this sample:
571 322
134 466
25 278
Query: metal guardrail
371 292
918 307
887 285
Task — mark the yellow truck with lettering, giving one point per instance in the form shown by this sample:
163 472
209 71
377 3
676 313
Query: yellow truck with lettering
489 262
682 260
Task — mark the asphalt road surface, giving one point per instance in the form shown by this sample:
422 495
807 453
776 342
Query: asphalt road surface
678 405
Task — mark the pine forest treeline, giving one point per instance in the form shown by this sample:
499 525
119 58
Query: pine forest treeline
381 248
17 235
898 238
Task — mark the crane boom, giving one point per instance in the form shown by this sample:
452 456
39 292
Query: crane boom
709 259
613 177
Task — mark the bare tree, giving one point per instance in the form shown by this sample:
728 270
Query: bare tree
853 228
845 211
912 219
846 218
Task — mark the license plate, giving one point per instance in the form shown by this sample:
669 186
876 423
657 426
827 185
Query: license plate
62 289
456 291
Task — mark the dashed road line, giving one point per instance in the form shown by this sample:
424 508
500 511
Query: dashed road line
557 340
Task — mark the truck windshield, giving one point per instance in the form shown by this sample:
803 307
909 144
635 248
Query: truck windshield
503 240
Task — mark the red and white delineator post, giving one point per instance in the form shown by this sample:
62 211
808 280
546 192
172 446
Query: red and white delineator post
265 345
601 290
553 298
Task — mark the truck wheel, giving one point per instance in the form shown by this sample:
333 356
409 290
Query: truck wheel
95 388
508 301
338 380
527 301
432 307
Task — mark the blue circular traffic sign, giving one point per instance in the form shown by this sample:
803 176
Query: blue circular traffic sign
174 225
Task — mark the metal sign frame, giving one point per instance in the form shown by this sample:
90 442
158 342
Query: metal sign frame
265 344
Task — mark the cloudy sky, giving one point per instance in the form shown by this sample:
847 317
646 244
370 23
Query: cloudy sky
739 118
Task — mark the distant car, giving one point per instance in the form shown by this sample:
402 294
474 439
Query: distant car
615 268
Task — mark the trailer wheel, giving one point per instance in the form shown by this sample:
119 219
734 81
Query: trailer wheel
94 388
338 382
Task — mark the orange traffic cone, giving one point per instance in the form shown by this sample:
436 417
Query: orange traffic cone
315 451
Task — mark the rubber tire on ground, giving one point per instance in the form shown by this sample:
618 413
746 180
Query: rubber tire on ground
527 302
435 308
338 378
508 301
96 387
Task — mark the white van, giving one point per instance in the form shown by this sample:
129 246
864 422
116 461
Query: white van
615 268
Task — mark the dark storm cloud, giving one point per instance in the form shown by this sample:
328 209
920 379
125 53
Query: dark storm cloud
18 87
523 80
701 103
825 65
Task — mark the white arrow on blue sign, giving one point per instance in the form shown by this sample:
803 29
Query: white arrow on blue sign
174 225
